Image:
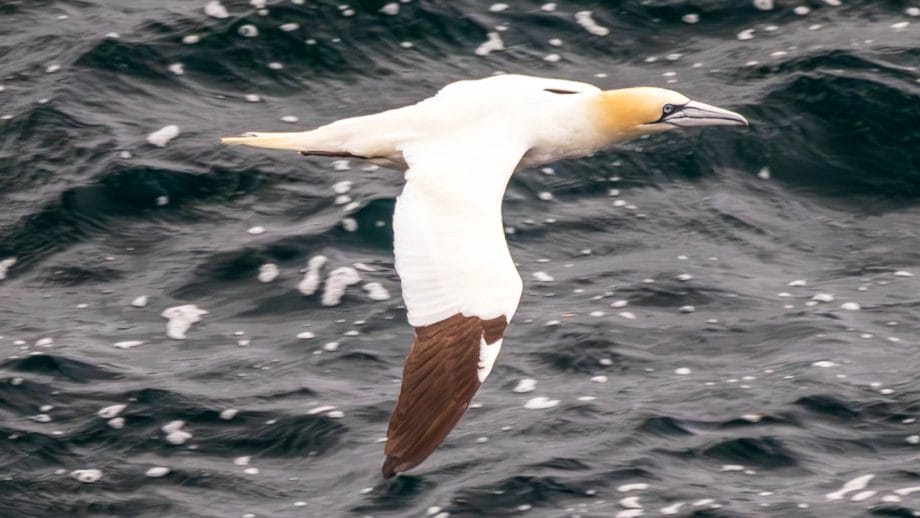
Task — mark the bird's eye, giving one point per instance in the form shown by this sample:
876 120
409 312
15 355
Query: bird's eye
668 109
559 91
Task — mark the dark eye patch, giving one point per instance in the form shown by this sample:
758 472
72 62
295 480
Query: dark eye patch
668 110
559 91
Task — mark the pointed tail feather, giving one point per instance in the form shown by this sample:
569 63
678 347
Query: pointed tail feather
297 141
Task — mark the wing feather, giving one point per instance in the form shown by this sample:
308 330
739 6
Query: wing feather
459 283
439 380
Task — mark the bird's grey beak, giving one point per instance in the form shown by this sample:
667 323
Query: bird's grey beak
696 113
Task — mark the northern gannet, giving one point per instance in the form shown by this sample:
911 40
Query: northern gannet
458 150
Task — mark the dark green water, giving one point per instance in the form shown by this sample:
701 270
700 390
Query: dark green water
761 401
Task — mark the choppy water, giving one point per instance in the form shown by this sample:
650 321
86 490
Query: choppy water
739 380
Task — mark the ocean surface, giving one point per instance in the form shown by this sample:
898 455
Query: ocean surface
717 323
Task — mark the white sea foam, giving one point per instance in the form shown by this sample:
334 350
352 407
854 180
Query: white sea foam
87 476
338 280
863 495
543 277
493 43
128 344
391 9
525 385
904 491
672 509
311 280
111 411
342 187
320 409
215 9
349 224
248 31
5 266
585 19
857 484
376 291
162 136
181 319
637 486
631 502
172 426
541 403
157 472
178 437
268 272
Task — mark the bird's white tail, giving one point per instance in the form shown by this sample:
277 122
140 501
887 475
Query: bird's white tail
370 136
297 141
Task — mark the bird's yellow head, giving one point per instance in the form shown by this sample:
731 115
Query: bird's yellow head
630 112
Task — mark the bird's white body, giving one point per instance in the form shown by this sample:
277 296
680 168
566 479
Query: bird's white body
458 149
552 126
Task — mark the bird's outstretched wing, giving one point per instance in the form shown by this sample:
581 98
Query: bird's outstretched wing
459 283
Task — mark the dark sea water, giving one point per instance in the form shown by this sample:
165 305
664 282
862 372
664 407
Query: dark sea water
767 362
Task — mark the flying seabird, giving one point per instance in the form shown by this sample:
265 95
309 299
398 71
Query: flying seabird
458 150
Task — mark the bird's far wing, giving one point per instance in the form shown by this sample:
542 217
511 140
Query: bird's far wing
459 283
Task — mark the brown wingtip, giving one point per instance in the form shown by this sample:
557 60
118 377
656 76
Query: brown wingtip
394 465
439 379
389 467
